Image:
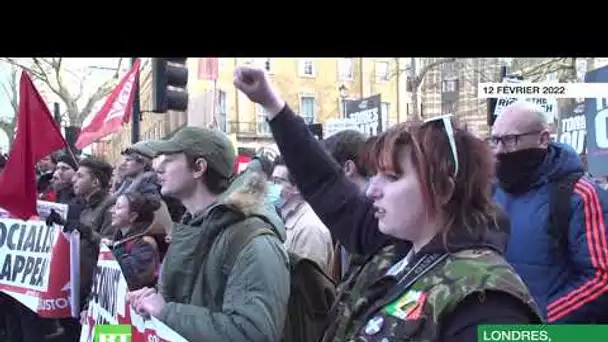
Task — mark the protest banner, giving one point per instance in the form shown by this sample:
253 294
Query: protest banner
572 127
549 106
596 115
367 114
35 263
108 306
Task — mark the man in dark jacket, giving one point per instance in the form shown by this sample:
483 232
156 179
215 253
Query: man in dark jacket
199 298
138 175
91 183
346 147
570 286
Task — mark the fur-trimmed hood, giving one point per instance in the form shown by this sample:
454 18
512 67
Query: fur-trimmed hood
247 195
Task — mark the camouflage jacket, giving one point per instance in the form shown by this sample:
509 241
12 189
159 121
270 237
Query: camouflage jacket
388 309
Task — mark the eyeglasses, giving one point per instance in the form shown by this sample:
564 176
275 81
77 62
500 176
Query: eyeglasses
509 140
449 131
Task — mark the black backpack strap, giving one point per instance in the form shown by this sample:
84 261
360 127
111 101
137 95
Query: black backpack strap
560 213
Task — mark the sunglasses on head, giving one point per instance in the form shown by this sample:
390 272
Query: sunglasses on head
449 131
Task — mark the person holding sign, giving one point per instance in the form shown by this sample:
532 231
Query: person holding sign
91 183
431 186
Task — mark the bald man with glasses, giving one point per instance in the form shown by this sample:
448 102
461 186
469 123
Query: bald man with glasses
558 242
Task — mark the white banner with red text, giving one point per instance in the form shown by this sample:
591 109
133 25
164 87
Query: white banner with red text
107 305
37 263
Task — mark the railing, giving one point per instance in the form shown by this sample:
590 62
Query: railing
249 128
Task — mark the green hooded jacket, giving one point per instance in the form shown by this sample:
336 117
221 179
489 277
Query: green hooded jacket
254 304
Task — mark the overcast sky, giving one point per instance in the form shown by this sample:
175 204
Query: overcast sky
80 69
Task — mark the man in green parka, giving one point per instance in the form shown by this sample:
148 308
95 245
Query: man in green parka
199 295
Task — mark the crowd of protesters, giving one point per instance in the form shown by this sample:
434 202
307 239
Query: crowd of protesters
426 230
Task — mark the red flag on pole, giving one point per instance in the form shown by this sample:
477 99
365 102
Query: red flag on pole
207 69
37 136
114 112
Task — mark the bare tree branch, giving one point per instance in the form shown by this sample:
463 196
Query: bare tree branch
29 70
98 95
52 71
428 67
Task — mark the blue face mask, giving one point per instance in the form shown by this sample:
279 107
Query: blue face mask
273 195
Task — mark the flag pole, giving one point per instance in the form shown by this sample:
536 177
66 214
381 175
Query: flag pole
136 115
72 155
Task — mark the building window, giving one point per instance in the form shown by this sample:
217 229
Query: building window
449 86
345 69
307 68
448 107
307 109
262 125
222 111
385 112
409 84
382 70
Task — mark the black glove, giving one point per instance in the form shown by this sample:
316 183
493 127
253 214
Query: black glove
70 225
54 218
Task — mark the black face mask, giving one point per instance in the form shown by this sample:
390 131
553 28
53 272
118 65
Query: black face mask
517 171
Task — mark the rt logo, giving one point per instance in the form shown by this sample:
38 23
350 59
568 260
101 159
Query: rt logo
112 333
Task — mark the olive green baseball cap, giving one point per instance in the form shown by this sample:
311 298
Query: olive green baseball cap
211 144
141 148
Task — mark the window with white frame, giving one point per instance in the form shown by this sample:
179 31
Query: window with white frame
382 70
385 112
262 125
222 111
449 85
307 67
307 108
345 69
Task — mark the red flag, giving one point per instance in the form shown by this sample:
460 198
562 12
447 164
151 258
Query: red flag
114 112
207 69
37 136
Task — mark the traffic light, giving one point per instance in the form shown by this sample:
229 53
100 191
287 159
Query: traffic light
169 84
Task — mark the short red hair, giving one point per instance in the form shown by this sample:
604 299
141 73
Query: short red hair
464 201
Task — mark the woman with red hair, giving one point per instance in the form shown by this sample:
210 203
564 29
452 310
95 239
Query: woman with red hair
431 191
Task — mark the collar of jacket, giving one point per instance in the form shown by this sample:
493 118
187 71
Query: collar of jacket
96 198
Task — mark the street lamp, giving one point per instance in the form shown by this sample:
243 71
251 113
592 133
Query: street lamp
343 95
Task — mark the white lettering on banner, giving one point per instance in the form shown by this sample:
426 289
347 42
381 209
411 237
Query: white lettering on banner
548 105
53 304
114 337
574 132
25 253
601 134
104 293
120 103
108 306
367 121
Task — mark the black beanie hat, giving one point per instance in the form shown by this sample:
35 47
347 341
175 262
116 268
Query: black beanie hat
63 157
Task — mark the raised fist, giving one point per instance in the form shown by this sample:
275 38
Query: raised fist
254 82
